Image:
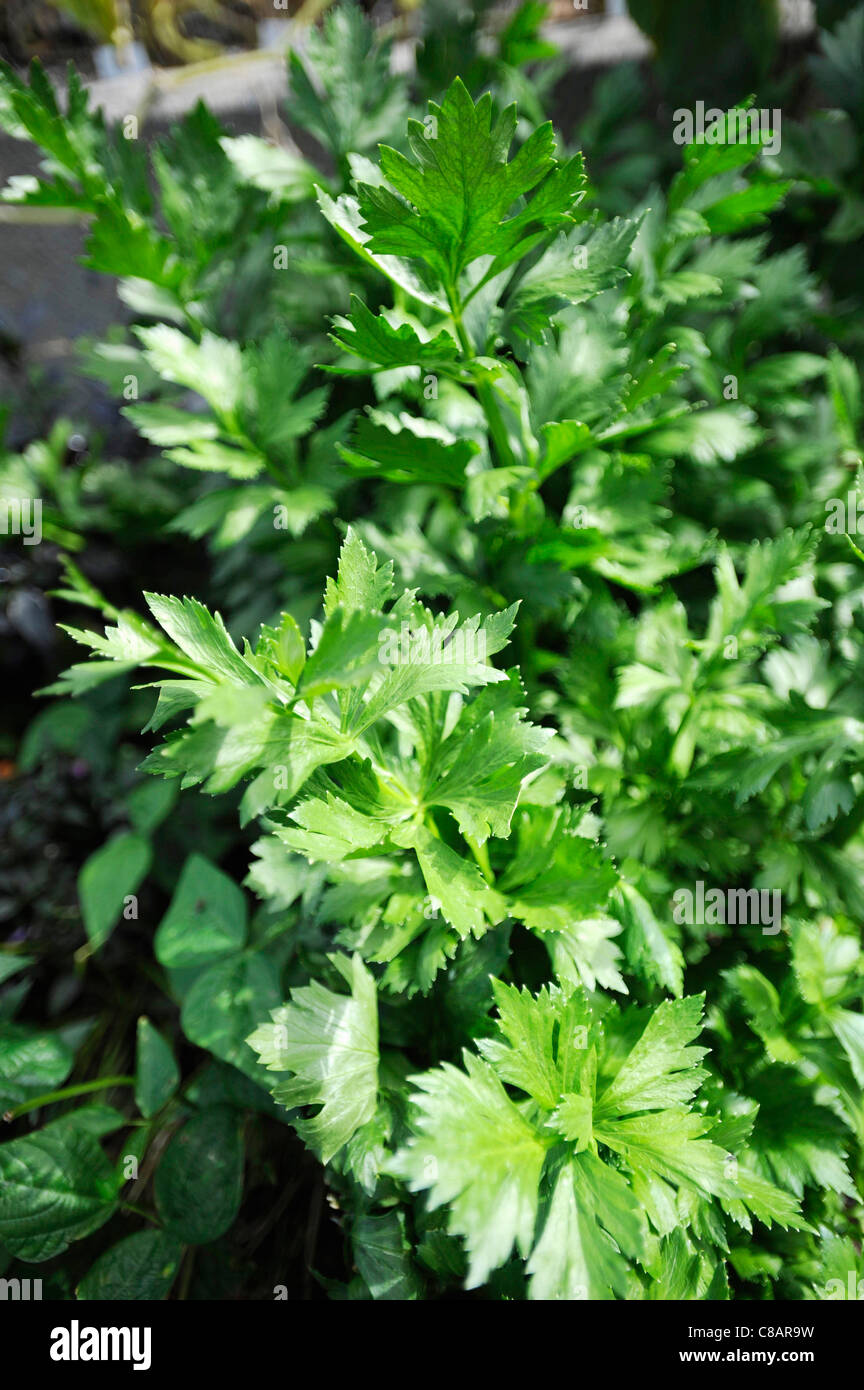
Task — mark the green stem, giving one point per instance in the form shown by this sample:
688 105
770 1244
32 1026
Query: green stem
481 854
497 429
186 1277
50 1097
139 1211
461 331
485 394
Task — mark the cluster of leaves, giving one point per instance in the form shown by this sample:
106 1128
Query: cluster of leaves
819 134
585 641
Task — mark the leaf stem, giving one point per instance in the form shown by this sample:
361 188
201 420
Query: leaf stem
485 394
481 854
139 1211
497 430
188 1267
50 1097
